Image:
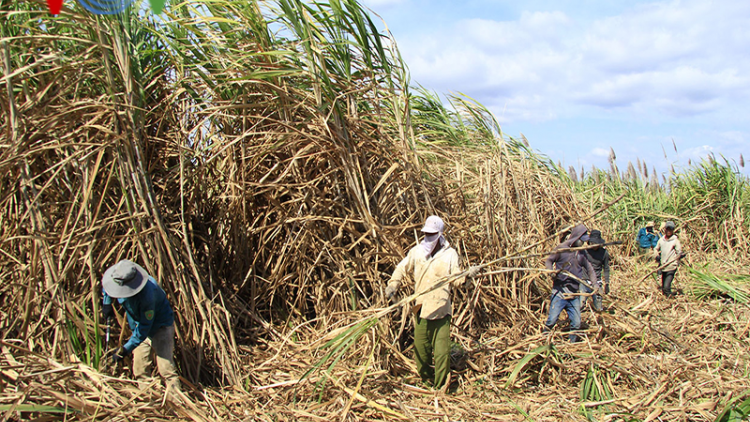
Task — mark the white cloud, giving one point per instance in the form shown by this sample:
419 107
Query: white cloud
532 32
663 35
694 155
572 81
676 58
732 144
682 91
600 152
511 66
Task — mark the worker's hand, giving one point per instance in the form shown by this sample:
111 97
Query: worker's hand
390 292
473 271
657 259
553 275
606 288
120 354
107 311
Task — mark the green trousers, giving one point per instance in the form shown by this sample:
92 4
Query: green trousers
433 338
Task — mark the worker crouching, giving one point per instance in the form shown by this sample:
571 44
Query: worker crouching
150 318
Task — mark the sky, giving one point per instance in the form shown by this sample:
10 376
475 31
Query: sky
666 82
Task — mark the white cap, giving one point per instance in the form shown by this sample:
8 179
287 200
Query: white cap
433 224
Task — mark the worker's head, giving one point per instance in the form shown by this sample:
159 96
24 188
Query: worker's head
564 234
650 226
433 230
669 229
595 239
124 279
579 234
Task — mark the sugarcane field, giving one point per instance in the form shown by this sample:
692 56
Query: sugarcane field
238 210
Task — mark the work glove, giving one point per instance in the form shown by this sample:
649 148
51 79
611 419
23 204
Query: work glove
473 271
120 354
390 292
108 311
657 259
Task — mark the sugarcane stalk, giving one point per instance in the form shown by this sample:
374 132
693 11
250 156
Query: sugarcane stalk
661 267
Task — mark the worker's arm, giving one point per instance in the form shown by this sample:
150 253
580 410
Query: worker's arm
590 270
657 249
145 312
455 268
403 268
107 309
106 299
677 249
549 263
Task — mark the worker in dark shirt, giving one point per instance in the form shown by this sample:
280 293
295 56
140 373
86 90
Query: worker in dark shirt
575 264
599 259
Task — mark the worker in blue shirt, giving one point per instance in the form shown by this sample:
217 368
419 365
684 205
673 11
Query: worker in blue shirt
150 318
647 239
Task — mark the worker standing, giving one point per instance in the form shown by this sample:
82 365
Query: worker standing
150 318
647 239
599 259
667 253
575 263
429 263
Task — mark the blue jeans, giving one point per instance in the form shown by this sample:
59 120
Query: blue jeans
571 306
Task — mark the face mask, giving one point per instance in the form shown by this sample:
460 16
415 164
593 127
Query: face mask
430 242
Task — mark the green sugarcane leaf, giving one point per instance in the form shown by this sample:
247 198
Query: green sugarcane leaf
34 408
157 6
524 361
734 412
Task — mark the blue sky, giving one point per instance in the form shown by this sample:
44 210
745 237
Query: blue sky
579 77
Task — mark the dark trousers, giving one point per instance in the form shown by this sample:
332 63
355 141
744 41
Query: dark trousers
666 282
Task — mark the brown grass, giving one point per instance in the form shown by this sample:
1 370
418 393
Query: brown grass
677 359
274 223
